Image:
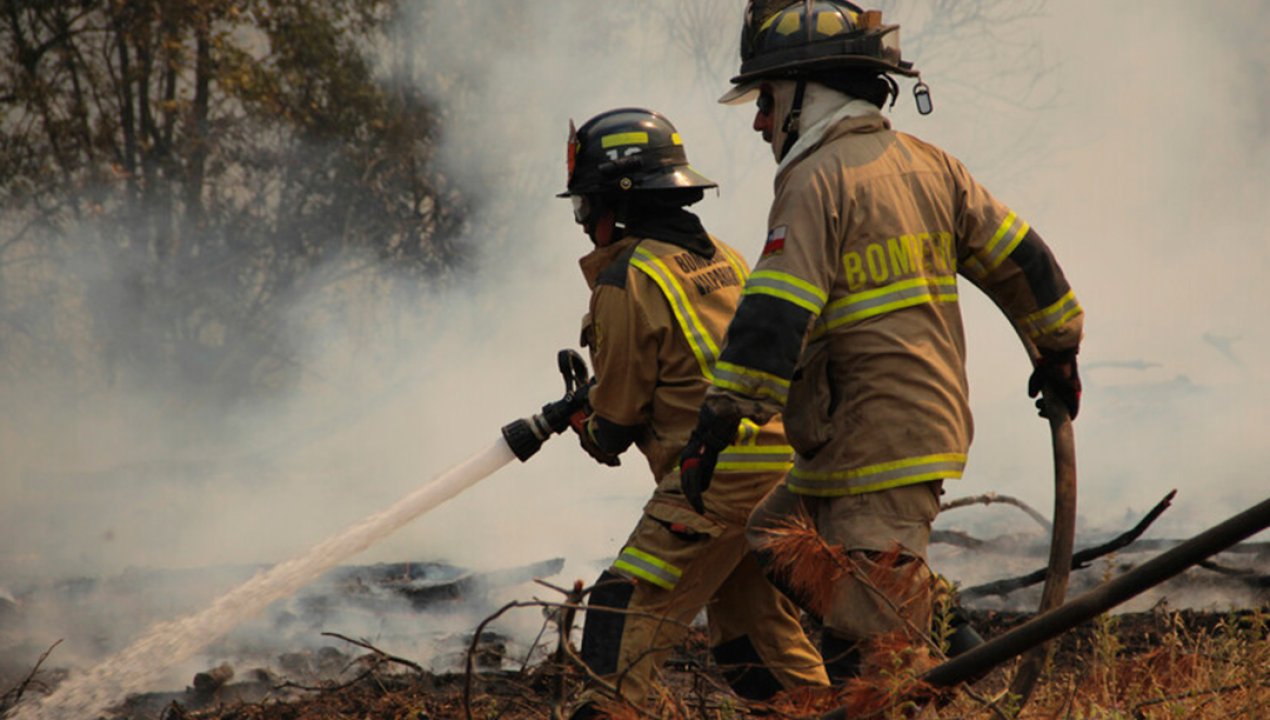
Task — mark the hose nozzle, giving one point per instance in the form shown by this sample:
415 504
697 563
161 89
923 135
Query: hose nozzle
526 435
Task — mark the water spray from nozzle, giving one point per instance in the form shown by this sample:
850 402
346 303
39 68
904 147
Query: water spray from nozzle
132 669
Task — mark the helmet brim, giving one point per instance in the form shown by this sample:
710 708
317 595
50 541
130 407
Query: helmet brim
745 92
793 68
677 176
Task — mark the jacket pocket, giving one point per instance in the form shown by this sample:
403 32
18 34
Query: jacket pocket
681 520
810 401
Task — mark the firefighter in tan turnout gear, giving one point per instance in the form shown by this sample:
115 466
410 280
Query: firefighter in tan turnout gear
850 323
663 292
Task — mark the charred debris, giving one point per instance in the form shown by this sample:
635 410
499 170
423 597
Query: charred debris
322 662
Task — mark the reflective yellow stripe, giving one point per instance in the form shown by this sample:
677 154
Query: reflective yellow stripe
1050 318
1007 237
634 562
750 382
828 23
699 339
755 458
675 139
626 138
889 298
789 24
1000 233
788 288
877 477
747 433
737 263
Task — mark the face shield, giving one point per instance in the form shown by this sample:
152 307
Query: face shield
581 208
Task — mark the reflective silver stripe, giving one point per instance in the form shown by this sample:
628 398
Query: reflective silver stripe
906 293
877 477
1049 319
703 346
787 287
639 564
756 458
753 383
1004 240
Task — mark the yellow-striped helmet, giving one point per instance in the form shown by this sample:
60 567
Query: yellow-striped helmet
628 149
797 37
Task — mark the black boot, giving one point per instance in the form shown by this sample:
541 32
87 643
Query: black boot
842 657
586 711
963 636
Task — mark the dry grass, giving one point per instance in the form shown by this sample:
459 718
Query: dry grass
1148 665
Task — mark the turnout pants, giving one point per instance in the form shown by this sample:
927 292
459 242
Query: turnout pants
882 595
676 563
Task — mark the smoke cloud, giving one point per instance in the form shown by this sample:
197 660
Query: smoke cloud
1133 138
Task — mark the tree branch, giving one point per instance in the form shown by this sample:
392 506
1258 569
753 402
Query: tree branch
1079 560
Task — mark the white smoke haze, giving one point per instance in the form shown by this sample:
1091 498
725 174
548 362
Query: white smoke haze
1133 137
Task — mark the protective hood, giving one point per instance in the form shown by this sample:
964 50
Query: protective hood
822 109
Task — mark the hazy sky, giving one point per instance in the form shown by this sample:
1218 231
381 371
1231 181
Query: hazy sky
1132 136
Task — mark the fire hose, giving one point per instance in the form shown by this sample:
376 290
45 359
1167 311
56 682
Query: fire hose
1062 536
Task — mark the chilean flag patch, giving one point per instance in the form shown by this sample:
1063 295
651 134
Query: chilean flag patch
775 244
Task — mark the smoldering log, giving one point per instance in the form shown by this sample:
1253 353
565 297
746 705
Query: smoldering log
1102 598
1092 603
1080 560
209 681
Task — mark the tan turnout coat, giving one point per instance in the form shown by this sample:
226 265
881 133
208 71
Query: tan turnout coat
851 320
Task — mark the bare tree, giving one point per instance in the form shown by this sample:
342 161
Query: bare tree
173 175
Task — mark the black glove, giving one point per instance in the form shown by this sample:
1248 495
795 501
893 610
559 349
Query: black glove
561 413
580 422
1056 370
696 463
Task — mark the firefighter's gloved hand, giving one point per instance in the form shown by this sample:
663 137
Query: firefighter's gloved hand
562 413
1056 370
580 422
699 457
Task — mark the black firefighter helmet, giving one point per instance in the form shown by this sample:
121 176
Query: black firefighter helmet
628 149
803 38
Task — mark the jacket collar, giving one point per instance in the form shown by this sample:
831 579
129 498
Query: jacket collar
675 226
594 262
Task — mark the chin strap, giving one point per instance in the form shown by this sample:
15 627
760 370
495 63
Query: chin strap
790 126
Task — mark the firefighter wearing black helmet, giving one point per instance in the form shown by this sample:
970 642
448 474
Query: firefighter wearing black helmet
850 323
663 292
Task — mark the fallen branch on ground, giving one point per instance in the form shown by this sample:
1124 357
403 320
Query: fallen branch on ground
11 698
1080 559
378 653
990 498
